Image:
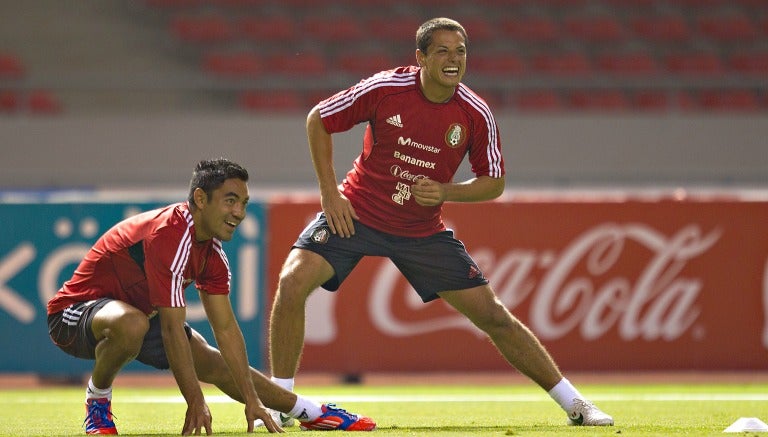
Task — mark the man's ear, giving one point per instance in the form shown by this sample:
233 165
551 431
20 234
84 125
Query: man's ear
201 198
419 58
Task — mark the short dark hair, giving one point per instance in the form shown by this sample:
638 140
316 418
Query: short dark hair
425 31
210 174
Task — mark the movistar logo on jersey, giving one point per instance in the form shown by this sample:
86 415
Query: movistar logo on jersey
409 142
413 161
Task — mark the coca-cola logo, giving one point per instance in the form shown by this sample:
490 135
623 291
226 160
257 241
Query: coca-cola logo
583 287
402 173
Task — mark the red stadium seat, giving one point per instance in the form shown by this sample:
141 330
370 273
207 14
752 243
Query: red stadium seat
496 64
598 100
530 29
572 63
750 63
333 28
661 29
393 29
43 102
479 29
594 29
728 28
628 64
173 3
694 64
729 100
267 29
650 100
367 63
537 101
301 63
9 101
272 101
242 64
11 66
202 29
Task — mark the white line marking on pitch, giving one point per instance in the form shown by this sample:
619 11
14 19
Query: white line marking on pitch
660 397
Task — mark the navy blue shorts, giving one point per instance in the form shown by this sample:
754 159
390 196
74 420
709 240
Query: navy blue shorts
439 262
71 331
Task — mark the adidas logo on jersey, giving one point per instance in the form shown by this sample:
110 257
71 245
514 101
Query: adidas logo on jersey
395 120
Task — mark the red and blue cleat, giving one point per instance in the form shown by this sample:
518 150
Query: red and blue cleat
335 418
98 417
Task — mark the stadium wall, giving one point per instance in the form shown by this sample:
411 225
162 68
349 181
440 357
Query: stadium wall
566 150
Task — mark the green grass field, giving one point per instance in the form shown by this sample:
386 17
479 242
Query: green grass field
462 410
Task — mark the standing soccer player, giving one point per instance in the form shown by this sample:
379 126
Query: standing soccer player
126 301
421 123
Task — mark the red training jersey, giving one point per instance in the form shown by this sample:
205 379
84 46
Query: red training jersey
147 260
409 138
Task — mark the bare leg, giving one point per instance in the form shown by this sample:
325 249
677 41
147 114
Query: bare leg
515 341
302 273
119 328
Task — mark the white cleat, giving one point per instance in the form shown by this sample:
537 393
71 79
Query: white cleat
282 419
584 413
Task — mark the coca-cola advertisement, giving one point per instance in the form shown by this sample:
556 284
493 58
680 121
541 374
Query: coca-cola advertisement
606 284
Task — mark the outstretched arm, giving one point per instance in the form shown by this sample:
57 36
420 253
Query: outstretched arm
428 192
179 355
229 338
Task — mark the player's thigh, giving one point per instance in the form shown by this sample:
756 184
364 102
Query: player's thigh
479 304
119 318
304 270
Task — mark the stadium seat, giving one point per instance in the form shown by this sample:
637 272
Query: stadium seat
272 101
302 63
332 28
729 100
598 100
202 29
43 102
749 63
272 29
694 63
398 28
735 28
173 3
537 101
364 64
530 29
9 101
11 66
234 65
479 29
661 29
650 100
573 63
594 29
496 64
627 64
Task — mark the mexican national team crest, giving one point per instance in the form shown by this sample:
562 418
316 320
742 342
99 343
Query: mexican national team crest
456 135
320 236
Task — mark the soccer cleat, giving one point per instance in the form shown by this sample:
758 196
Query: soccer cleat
280 418
98 417
335 418
585 413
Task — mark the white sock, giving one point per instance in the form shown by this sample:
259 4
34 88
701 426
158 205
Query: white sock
305 409
564 393
97 393
286 383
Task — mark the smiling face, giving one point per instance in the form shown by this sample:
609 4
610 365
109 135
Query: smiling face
217 216
443 65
